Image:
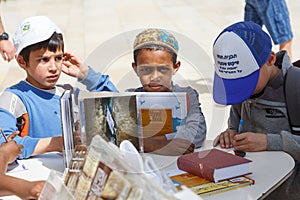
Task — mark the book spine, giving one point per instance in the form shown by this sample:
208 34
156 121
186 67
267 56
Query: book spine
195 168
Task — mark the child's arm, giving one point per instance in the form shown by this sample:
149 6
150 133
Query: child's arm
94 81
174 147
24 189
45 145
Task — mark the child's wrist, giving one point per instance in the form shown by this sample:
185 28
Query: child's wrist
84 70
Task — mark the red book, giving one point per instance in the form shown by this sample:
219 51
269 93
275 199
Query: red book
214 165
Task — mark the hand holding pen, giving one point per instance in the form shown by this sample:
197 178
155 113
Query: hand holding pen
10 147
238 152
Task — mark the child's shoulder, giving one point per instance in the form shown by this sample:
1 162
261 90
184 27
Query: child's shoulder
189 89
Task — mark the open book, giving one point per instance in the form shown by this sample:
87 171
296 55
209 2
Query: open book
120 116
131 116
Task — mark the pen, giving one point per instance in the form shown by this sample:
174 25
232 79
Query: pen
238 152
3 135
240 126
6 140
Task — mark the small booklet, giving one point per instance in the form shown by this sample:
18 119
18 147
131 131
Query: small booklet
204 187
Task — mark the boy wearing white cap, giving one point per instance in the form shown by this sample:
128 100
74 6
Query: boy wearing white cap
251 77
155 63
32 106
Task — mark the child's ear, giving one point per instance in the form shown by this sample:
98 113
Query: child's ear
272 58
21 62
176 67
134 67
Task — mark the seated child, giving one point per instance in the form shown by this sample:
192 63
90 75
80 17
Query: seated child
32 106
155 62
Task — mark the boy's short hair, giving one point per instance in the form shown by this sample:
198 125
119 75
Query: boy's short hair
239 51
156 39
34 30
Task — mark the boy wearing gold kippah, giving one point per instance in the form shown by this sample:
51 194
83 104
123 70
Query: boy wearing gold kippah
155 63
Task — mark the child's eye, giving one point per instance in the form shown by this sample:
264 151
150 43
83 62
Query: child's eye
146 70
163 69
44 60
58 58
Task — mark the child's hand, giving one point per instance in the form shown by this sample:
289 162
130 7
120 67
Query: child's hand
13 135
225 139
179 146
10 150
74 67
174 147
31 190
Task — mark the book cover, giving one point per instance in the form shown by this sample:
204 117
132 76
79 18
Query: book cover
204 187
162 112
214 164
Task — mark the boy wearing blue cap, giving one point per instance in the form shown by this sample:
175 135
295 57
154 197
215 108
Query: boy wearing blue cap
251 77
32 106
155 63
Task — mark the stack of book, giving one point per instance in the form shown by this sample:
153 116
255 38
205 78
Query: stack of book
212 171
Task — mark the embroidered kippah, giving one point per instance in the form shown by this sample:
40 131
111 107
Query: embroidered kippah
158 37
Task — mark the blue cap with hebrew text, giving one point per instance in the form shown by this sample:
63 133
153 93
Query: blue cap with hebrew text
239 51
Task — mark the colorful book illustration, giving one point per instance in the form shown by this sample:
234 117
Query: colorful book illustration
131 116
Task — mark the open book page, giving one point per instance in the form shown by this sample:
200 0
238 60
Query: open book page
110 115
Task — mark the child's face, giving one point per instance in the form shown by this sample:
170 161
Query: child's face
155 70
43 68
267 72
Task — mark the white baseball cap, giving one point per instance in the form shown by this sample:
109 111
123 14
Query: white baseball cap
34 30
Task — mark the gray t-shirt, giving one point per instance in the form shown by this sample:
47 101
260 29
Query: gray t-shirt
266 113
